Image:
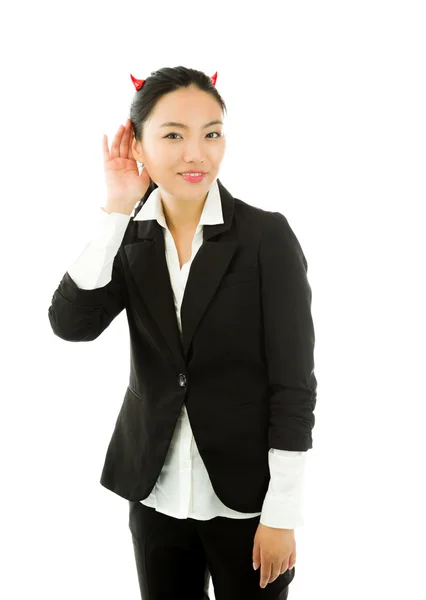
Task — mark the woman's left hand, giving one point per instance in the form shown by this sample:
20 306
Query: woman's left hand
275 550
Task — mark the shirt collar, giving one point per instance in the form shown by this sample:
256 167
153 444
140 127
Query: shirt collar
211 215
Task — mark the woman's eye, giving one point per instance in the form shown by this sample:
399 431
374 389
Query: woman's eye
218 135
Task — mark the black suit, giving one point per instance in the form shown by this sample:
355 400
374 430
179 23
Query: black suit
244 364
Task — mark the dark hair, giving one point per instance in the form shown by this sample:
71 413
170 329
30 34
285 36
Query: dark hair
159 83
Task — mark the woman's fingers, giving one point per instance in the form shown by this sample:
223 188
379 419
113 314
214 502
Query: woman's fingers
124 143
105 150
131 136
116 142
121 144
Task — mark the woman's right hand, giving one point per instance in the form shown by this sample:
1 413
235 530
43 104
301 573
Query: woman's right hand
125 186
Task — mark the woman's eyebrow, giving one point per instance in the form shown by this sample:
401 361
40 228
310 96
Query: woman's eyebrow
174 124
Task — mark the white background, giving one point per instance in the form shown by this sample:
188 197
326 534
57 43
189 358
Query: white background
326 124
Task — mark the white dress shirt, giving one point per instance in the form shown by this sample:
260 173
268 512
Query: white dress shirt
183 488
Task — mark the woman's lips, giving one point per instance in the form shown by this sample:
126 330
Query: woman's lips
193 178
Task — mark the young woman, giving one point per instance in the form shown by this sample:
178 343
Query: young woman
210 441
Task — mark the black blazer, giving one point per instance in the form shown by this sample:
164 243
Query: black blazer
244 364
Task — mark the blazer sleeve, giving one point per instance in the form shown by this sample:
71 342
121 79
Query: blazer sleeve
289 337
81 315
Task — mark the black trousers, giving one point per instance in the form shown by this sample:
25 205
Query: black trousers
176 557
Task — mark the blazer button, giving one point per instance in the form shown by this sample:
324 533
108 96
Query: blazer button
182 380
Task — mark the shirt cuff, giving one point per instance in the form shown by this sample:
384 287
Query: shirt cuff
110 229
93 268
282 506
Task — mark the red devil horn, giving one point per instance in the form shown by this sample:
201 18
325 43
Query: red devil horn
138 83
214 78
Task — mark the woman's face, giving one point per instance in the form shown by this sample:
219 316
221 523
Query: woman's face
168 150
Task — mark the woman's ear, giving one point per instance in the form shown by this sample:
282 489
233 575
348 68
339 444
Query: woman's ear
137 154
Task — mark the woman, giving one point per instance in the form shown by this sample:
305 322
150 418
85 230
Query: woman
209 444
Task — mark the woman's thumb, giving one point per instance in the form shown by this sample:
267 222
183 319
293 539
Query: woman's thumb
256 556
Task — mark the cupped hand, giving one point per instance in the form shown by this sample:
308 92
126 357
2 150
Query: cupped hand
125 186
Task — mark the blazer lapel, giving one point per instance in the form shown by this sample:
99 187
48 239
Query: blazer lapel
148 265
